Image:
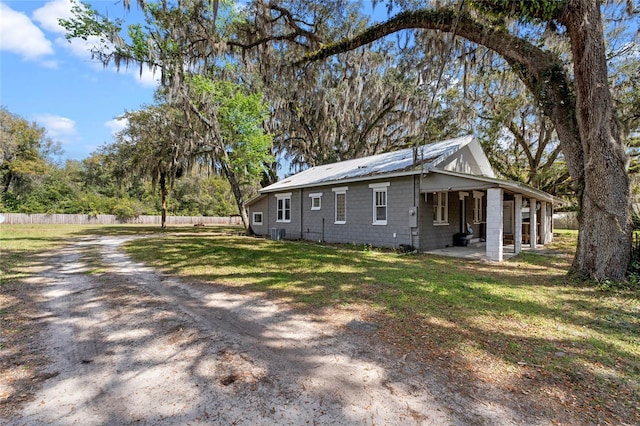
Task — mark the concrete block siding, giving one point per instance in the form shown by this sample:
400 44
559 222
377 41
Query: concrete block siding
317 225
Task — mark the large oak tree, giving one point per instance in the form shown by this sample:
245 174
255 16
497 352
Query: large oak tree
577 101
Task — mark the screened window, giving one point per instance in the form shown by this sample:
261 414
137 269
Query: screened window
440 208
341 205
283 207
257 218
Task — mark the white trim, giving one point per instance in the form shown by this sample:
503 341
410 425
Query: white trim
339 191
253 218
462 195
283 197
441 209
316 196
379 188
379 185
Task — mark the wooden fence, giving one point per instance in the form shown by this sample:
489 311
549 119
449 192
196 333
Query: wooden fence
108 219
565 220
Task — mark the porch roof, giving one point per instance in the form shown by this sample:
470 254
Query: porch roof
487 182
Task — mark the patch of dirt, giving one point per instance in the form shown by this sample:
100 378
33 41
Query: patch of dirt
131 345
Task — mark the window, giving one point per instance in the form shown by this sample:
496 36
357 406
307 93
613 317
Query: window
257 218
477 206
341 205
379 202
284 207
316 200
440 208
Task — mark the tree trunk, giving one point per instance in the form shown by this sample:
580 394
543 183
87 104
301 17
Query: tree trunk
237 192
604 242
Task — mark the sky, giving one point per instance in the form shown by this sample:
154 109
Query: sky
46 79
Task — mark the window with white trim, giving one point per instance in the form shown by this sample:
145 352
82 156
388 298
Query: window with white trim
340 205
283 207
257 218
477 206
440 208
379 202
316 200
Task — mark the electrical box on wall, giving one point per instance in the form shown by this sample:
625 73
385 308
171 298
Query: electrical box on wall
413 217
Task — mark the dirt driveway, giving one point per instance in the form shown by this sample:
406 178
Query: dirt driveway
129 345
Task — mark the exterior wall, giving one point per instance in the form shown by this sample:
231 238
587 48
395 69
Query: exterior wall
319 225
294 226
260 206
435 235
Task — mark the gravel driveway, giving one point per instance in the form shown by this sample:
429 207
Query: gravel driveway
130 345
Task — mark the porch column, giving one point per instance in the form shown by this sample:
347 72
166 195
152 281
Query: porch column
550 223
543 223
533 223
517 235
494 224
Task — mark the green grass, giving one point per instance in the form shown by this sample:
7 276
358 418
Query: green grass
521 324
19 244
488 318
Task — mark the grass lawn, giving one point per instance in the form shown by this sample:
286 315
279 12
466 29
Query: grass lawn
521 324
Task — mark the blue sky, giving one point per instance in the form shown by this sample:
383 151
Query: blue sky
46 79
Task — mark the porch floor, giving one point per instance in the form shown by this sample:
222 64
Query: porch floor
478 252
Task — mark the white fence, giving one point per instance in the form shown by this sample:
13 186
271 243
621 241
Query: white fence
109 219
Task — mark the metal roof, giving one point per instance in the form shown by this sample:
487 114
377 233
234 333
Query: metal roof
396 163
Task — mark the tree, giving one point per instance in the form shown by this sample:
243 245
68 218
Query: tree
579 105
231 133
185 42
154 144
21 152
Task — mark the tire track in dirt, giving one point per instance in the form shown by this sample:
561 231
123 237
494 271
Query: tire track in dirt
132 345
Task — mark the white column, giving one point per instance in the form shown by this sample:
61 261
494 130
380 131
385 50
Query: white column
543 223
495 224
533 223
517 235
550 228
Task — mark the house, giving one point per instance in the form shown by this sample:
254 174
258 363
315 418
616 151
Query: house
431 197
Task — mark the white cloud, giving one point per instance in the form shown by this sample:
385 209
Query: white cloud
59 128
116 125
49 14
19 35
148 77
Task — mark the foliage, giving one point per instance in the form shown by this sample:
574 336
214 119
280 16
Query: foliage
23 153
126 209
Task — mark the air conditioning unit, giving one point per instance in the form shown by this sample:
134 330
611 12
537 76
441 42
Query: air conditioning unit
277 234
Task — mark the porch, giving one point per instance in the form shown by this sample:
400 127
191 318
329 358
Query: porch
479 252
508 217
